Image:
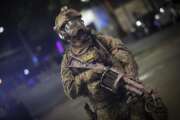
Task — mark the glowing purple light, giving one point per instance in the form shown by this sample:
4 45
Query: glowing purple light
59 47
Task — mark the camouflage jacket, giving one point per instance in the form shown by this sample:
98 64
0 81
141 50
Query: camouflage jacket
75 85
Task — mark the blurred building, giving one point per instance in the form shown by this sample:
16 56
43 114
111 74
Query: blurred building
128 12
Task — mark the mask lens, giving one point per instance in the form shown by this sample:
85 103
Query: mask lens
73 24
72 28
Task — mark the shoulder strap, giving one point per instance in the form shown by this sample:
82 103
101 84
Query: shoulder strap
99 43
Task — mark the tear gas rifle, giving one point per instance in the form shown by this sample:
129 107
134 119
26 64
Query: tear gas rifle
112 79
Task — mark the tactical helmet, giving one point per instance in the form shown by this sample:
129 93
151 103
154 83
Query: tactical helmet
63 17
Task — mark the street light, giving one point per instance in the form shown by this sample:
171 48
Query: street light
85 0
138 23
162 10
157 17
1 81
26 72
1 29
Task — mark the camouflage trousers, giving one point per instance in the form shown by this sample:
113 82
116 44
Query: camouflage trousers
120 111
132 111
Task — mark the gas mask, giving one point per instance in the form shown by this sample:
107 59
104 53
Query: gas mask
73 29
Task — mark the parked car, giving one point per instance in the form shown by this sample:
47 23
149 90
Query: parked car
165 16
144 25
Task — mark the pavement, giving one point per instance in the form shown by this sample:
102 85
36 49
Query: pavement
158 58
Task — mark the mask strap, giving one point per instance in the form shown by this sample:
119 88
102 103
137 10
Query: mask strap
60 36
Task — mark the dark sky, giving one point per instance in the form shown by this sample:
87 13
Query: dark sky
28 16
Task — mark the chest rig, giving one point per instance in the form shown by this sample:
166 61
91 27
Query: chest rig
94 53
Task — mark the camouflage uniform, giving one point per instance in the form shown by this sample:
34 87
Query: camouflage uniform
86 82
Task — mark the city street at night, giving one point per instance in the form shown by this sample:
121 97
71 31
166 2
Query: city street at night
58 55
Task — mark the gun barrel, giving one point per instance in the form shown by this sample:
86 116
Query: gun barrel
134 83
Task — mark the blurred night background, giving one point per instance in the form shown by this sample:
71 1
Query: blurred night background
31 52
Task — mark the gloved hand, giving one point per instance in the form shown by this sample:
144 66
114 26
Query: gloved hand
98 68
91 74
